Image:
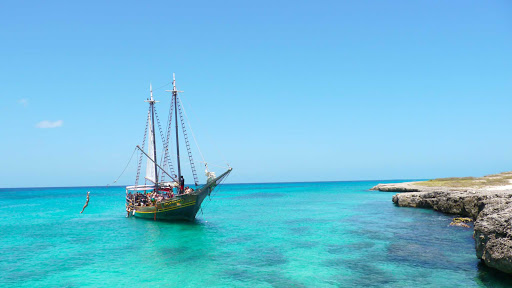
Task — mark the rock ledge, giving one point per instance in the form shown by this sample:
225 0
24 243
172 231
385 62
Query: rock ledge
491 207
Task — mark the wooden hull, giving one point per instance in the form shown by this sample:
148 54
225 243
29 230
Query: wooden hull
182 207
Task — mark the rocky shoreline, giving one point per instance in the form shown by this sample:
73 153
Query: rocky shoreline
489 206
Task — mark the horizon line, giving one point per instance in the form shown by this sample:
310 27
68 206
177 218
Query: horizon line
240 183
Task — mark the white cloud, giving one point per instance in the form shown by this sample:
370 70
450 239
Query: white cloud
49 124
23 101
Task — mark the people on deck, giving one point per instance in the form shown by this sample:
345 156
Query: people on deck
182 184
151 198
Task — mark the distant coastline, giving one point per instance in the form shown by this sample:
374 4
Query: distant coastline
488 200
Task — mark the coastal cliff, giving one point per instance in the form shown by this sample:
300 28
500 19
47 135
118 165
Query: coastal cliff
488 200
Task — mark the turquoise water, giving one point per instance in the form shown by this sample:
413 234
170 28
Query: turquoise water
335 234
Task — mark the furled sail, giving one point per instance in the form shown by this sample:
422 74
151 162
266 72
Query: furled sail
150 165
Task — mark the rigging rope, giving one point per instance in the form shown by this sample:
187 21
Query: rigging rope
192 131
209 141
134 150
189 151
143 144
210 164
162 86
166 151
168 132
213 192
162 178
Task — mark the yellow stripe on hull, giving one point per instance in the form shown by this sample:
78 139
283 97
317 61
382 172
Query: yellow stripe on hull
167 209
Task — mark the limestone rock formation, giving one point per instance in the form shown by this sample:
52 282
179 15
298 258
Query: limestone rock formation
490 206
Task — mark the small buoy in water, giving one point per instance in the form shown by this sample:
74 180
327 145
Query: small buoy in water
133 212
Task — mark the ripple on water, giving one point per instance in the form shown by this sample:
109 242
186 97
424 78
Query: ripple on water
15 255
304 244
52 266
372 234
300 230
181 255
427 256
306 220
235 240
350 247
173 252
277 279
255 242
259 195
263 257
238 274
273 278
363 273
492 277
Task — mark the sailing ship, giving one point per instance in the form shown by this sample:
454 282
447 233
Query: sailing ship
163 199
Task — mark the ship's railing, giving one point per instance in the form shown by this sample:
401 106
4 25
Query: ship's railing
140 187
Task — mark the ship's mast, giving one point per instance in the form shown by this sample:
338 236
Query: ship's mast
152 102
174 98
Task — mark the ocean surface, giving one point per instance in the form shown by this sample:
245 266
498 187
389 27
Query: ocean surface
331 234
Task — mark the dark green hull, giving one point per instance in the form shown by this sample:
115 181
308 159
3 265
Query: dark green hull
182 207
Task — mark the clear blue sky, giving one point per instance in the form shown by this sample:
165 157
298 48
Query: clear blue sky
285 90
